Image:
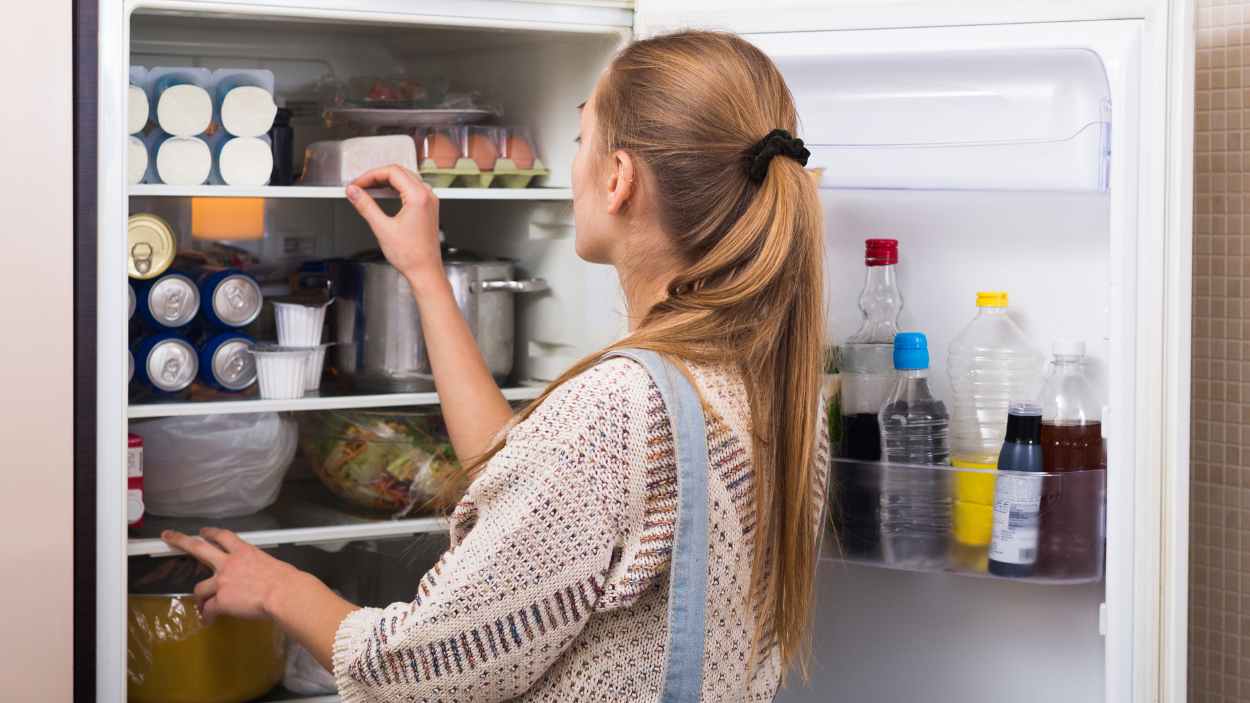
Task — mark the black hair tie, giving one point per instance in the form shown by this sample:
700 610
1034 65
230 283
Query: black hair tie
778 142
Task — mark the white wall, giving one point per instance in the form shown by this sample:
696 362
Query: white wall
36 354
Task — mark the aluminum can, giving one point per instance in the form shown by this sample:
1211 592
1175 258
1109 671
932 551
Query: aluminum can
169 302
165 362
226 362
229 298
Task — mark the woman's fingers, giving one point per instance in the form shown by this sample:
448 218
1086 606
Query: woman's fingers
405 182
204 590
227 540
209 610
367 207
205 553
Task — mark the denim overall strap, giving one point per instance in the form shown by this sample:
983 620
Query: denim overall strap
687 590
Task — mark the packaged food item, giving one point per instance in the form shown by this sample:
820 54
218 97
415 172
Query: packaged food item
184 107
915 500
182 161
337 163
226 362
137 107
134 480
216 466
1018 495
1071 440
300 320
174 656
991 363
444 154
165 363
397 462
136 160
282 141
483 146
243 100
241 161
281 371
316 364
169 302
150 246
518 164
229 298
517 146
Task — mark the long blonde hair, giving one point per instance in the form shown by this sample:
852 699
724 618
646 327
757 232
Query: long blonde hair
690 106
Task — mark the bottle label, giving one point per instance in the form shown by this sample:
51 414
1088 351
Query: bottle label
1017 513
134 461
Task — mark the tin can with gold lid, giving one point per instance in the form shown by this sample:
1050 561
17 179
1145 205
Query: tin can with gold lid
150 246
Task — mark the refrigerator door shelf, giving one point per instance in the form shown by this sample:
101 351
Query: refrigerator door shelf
1026 119
940 519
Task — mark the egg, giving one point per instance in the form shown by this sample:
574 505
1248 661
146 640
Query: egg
483 151
440 149
520 151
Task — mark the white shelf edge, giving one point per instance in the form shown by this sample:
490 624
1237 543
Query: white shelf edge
337 192
333 402
308 535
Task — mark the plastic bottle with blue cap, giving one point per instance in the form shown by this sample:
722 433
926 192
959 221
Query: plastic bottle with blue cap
915 501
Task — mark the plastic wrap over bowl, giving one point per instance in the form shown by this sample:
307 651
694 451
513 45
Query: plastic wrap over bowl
396 462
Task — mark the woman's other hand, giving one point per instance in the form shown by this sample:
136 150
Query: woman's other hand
245 579
410 238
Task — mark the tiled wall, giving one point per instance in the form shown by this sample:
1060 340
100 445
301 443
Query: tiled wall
1219 577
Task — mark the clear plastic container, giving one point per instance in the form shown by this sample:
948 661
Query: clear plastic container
516 145
914 428
441 147
991 364
1071 441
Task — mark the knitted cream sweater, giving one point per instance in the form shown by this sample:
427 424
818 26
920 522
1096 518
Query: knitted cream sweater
555 587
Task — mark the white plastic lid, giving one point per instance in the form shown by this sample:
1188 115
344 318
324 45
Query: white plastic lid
1067 346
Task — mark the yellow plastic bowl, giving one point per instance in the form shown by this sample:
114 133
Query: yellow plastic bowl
173 657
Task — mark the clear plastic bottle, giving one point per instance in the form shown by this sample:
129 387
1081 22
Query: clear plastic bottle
866 370
915 505
1071 529
991 363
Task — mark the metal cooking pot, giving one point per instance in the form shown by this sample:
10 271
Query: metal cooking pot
380 344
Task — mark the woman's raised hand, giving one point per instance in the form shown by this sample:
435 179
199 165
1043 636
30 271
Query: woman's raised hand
410 238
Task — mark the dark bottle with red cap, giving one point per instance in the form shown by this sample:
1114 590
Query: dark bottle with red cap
866 368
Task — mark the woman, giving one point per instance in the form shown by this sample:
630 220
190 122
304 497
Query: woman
557 587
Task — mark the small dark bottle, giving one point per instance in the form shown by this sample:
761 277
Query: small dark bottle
1018 496
282 140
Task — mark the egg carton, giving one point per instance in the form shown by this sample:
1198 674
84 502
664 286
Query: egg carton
447 177
507 175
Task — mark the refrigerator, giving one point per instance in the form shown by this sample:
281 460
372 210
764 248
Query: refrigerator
1041 148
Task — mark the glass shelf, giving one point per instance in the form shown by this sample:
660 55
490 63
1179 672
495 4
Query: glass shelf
939 519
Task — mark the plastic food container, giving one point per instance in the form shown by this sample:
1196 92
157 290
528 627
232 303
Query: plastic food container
174 657
396 462
280 370
316 363
299 322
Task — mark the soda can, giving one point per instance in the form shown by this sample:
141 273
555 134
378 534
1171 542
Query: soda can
169 302
134 480
230 298
150 246
165 362
226 362
131 287
130 364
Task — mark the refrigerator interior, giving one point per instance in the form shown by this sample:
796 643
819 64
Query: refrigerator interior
1044 230
535 78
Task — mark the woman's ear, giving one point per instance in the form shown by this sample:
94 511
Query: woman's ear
621 184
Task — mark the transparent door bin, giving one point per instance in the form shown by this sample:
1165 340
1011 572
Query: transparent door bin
874 526
1035 119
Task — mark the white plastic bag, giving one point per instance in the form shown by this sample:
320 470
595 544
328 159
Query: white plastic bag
215 466
304 675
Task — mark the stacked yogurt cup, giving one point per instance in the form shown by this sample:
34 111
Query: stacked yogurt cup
290 368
